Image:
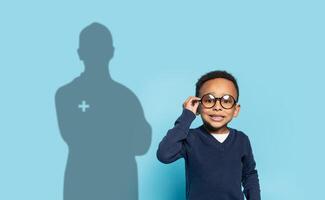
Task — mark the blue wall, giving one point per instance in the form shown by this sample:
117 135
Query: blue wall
275 49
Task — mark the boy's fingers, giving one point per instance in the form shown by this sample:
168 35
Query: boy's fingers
196 99
192 101
191 98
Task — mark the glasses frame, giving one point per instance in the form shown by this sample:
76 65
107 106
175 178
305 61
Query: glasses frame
218 99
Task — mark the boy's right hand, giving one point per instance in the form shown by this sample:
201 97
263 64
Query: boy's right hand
192 104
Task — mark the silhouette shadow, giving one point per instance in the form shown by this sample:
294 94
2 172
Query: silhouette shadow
103 124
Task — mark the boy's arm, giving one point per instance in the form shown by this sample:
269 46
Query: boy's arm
250 176
171 147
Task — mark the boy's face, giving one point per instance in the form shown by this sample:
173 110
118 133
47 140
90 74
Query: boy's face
217 117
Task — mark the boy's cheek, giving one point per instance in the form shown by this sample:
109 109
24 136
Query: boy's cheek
203 112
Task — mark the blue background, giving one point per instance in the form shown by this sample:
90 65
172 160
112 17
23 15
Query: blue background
274 48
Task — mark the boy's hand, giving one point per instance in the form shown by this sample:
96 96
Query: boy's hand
192 104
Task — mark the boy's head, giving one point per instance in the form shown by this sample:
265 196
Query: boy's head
217 113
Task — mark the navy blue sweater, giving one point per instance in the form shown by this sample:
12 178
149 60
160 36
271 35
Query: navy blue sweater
214 170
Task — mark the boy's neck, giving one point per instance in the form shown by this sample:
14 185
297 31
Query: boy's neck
212 130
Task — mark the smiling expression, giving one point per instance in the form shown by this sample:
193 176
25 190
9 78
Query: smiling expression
215 119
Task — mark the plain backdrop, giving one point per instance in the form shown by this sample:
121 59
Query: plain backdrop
275 49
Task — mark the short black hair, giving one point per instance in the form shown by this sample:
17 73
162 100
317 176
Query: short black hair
213 75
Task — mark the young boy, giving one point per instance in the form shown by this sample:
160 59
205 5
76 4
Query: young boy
218 159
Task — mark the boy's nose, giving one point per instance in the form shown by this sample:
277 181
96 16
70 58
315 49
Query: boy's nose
217 106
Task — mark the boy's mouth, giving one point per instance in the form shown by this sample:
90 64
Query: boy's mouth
217 118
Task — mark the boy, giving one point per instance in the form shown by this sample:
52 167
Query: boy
218 159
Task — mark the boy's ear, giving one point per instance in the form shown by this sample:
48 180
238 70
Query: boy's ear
237 109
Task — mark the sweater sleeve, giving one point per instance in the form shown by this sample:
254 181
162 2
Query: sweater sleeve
171 148
250 179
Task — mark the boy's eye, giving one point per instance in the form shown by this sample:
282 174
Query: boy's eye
210 99
227 99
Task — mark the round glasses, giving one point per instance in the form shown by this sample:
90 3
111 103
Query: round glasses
226 101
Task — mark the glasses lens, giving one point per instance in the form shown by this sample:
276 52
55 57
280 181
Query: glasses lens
208 100
227 101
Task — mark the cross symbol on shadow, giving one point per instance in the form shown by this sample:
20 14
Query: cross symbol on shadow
83 106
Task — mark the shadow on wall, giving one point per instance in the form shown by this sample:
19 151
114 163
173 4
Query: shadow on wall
103 124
